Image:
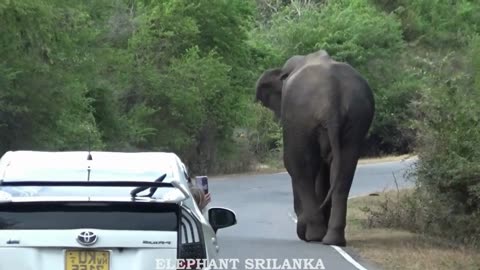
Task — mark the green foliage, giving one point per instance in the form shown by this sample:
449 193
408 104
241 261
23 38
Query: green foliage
449 135
436 23
352 31
422 212
43 105
166 75
179 75
162 32
265 134
446 201
187 104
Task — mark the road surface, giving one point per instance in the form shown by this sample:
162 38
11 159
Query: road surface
265 232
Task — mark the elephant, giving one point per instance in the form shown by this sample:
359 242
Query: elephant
325 108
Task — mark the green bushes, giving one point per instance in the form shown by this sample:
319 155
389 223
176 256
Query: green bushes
144 75
421 212
446 201
191 74
437 23
43 104
449 135
179 75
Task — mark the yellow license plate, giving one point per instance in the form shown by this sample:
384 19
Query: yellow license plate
87 260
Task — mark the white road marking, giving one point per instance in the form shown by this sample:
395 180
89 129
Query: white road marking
348 258
342 252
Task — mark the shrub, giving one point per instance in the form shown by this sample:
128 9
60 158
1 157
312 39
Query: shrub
449 137
446 201
436 23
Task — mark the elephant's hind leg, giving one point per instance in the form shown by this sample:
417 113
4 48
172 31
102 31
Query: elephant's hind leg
344 177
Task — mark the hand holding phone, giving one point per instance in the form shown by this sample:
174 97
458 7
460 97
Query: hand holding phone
202 182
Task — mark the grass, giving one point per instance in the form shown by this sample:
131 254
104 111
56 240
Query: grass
398 249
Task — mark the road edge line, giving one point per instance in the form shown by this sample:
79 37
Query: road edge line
347 257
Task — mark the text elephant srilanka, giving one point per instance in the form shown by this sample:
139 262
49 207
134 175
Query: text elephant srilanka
326 109
233 263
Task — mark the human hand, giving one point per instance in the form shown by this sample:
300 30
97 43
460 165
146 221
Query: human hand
206 200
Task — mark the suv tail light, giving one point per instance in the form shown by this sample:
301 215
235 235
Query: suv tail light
191 241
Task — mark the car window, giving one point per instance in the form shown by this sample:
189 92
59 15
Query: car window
95 215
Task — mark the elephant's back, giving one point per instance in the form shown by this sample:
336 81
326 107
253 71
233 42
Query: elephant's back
321 88
308 72
307 94
339 77
356 94
354 84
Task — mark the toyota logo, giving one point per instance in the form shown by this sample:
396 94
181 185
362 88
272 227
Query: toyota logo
87 238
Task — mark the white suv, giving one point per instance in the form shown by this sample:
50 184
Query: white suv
102 211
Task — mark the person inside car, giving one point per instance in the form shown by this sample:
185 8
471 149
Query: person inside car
202 199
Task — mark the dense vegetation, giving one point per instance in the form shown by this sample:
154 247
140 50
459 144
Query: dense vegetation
179 75
126 75
444 50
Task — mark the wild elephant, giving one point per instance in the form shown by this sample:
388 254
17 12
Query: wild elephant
326 108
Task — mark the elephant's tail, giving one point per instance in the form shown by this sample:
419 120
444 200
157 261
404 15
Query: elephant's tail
328 197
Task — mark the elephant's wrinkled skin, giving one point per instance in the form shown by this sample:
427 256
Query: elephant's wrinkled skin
326 109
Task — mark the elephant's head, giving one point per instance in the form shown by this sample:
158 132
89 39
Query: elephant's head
269 90
269 85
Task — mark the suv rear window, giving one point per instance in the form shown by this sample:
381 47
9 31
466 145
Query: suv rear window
94 215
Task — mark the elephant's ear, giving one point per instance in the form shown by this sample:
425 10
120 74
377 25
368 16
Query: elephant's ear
267 84
269 91
292 64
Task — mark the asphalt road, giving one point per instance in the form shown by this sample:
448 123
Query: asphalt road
266 230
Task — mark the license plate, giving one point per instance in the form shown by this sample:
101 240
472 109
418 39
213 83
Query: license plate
87 260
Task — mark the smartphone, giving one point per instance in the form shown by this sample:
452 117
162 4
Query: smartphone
202 182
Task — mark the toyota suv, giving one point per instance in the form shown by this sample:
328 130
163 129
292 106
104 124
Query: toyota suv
102 211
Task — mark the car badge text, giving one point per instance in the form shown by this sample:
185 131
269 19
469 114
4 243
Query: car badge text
87 238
